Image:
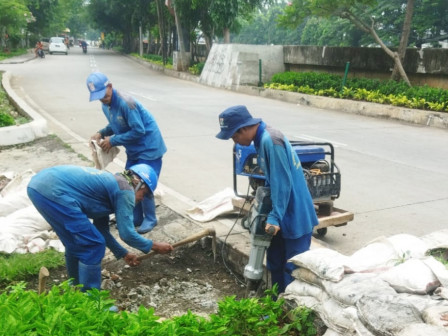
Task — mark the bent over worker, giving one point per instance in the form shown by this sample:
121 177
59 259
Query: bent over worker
132 126
68 196
292 216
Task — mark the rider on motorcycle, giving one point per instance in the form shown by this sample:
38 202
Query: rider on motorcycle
39 47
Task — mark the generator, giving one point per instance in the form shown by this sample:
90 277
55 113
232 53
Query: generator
321 173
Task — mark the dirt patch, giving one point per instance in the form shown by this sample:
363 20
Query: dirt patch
187 279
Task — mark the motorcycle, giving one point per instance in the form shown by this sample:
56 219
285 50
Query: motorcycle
84 49
40 53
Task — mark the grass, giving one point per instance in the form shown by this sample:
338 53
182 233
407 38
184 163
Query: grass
8 113
8 54
19 267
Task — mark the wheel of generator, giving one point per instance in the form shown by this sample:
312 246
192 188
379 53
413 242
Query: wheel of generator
322 232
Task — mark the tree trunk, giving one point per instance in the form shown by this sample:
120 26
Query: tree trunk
161 21
181 60
371 31
226 34
404 38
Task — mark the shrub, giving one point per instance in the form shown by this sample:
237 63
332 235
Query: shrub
6 120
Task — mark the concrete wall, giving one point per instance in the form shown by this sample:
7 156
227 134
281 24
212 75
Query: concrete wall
425 66
232 65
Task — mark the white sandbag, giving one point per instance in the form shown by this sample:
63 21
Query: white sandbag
436 239
408 246
421 302
438 269
304 274
55 244
422 329
24 222
36 245
434 314
360 329
442 292
413 276
100 157
8 242
300 288
301 301
376 256
214 206
14 201
14 195
325 263
387 315
19 182
354 286
335 316
331 332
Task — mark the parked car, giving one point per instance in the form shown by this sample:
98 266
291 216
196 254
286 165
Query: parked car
45 44
57 45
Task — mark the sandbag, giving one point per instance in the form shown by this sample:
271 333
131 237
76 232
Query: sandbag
408 246
436 239
301 288
413 276
422 329
100 157
325 263
433 315
438 269
307 276
354 286
387 315
214 206
376 256
14 195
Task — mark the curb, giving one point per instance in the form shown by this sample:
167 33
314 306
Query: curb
13 135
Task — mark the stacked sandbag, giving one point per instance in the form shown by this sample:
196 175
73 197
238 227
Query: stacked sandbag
389 287
22 228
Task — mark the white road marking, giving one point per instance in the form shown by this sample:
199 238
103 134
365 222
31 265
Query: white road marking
143 96
316 139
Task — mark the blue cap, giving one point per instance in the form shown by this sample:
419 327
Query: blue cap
234 118
97 84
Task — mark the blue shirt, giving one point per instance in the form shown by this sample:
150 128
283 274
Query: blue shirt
292 205
96 193
132 126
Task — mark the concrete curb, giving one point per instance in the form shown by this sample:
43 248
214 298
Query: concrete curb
414 116
13 135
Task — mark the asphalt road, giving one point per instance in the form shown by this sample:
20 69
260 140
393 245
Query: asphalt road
394 175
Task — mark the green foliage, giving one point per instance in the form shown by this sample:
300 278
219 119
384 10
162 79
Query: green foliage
363 89
65 310
196 69
16 267
6 120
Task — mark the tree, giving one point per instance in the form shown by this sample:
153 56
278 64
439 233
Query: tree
356 11
14 16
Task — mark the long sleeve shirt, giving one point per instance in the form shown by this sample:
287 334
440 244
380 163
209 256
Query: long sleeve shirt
292 205
132 126
97 194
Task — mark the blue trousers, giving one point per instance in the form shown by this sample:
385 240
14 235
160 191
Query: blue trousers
145 211
81 239
277 255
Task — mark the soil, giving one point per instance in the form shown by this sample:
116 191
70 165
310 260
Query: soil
187 279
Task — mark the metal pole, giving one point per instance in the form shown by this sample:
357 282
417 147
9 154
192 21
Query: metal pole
260 83
140 37
347 66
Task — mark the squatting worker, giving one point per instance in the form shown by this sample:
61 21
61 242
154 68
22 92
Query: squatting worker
67 196
132 126
293 216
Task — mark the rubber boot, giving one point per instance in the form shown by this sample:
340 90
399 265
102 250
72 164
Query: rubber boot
89 276
149 212
71 263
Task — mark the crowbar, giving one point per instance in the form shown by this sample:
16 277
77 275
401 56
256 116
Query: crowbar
207 232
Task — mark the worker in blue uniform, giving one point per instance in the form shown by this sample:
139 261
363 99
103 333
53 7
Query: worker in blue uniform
293 216
68 196
134 127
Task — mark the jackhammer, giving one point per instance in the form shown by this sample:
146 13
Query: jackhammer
255 222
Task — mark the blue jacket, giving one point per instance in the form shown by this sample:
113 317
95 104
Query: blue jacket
292 205
132 126
95 193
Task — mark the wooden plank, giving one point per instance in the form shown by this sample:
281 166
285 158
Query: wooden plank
338 217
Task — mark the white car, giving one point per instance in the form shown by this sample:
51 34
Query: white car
57 45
